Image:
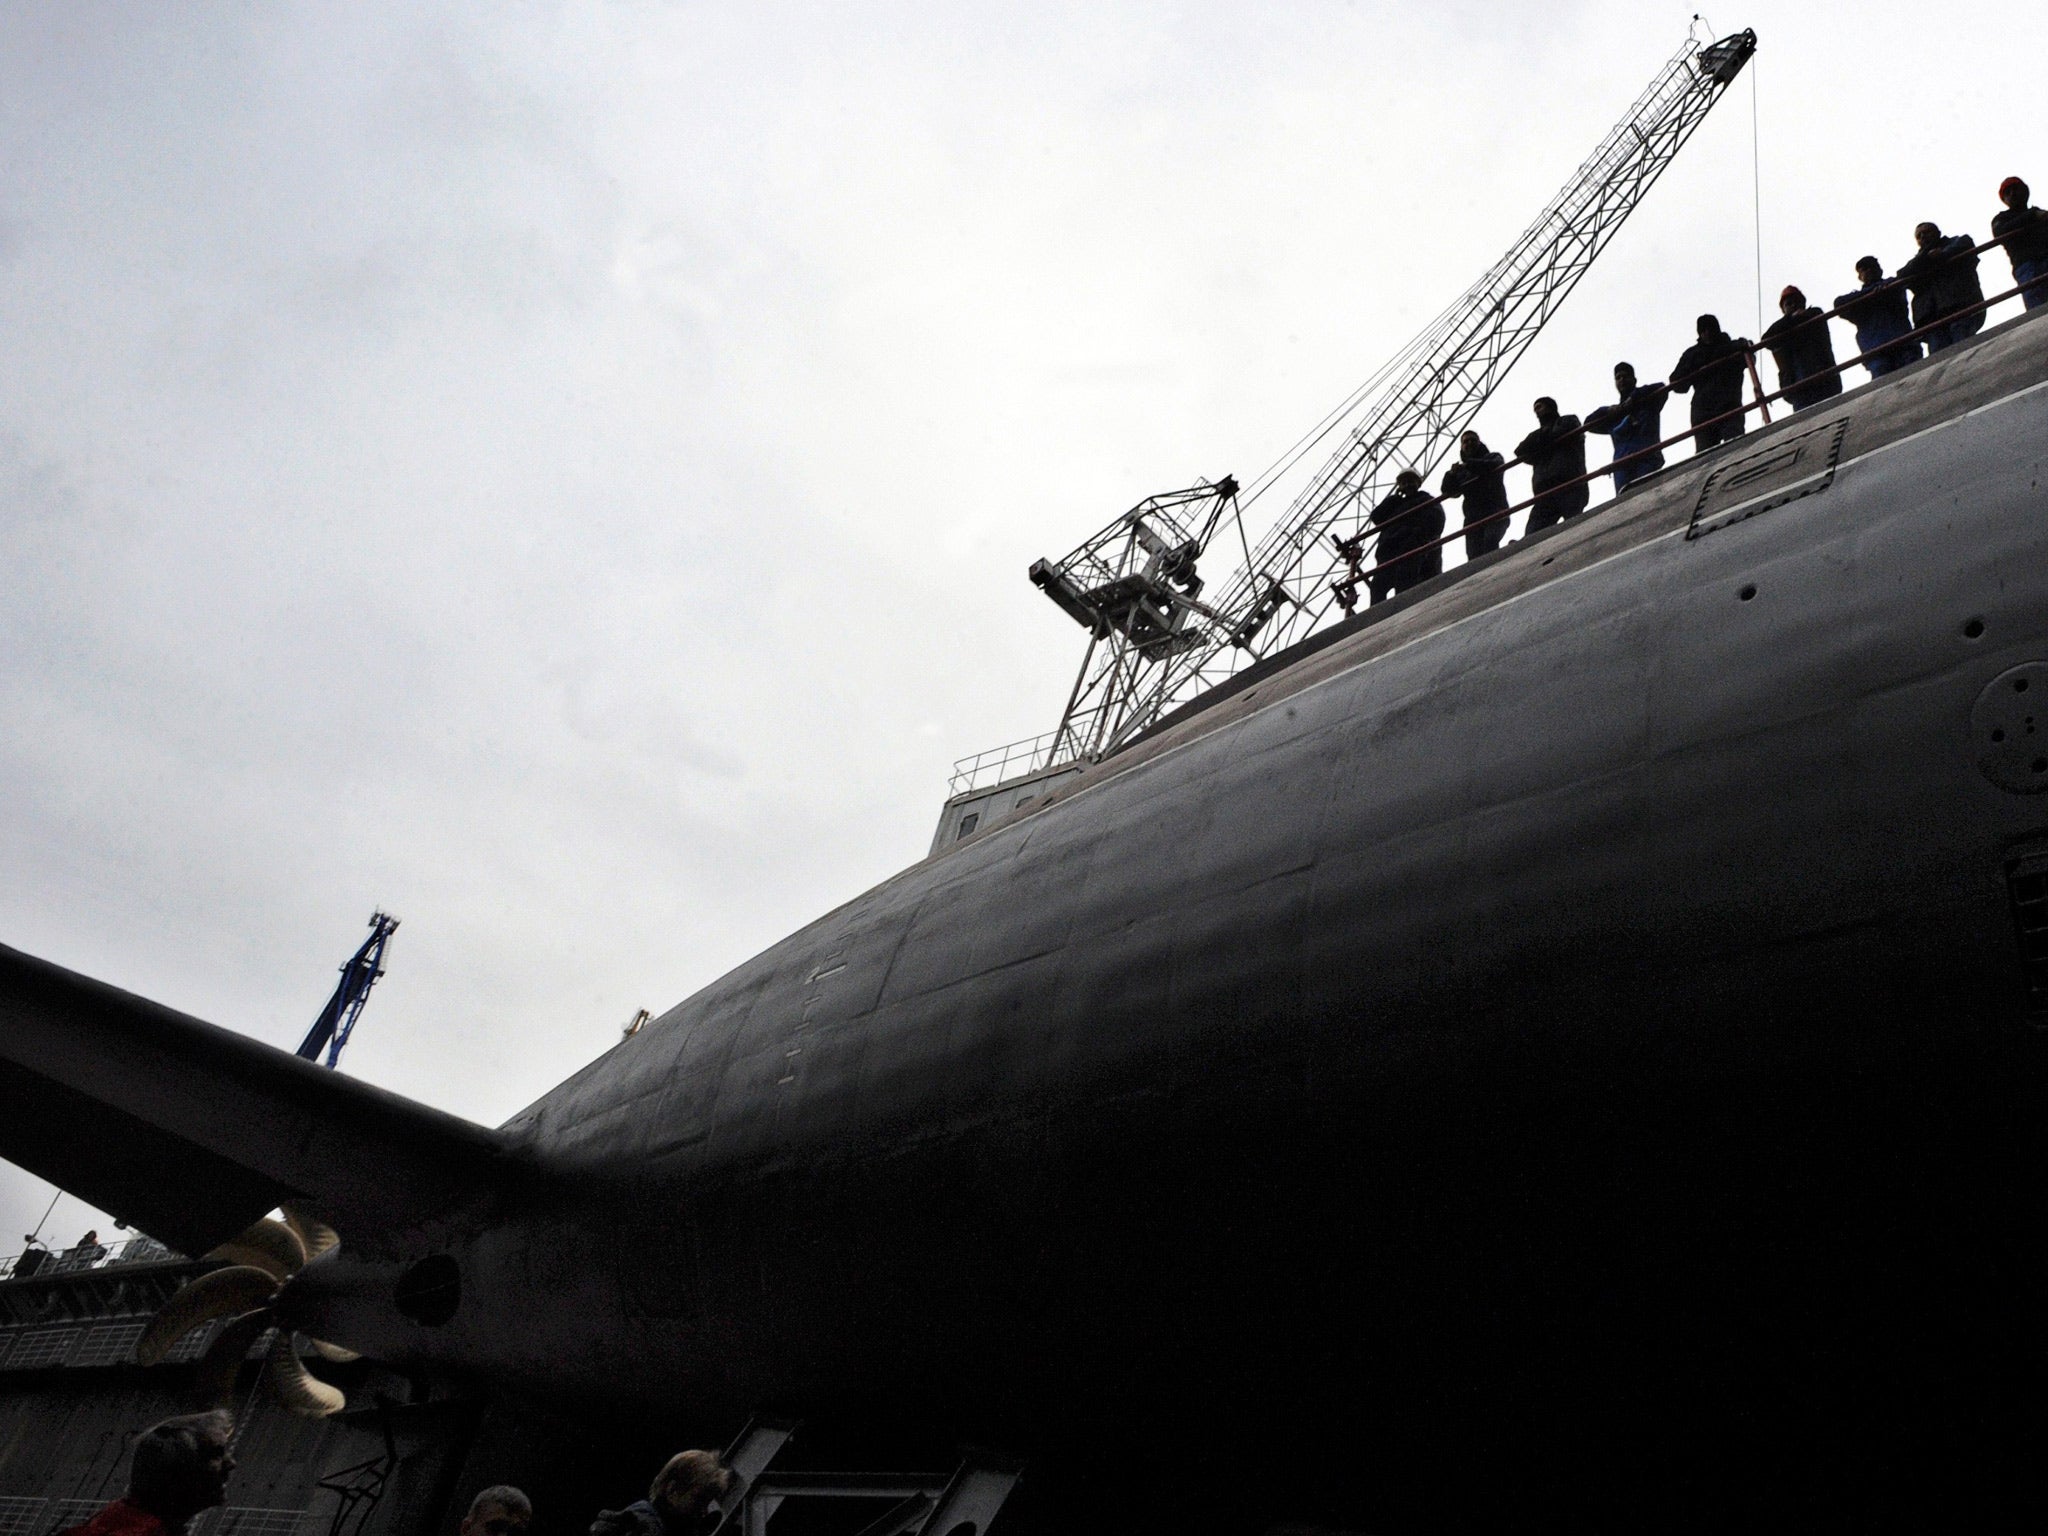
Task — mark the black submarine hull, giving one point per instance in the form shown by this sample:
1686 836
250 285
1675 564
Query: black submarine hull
1558 1045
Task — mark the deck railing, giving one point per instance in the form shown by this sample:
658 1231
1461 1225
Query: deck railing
999 763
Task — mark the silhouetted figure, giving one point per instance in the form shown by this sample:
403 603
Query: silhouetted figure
1878 311
684 1500
1635 423
1480 479
2025 232
1943 280
179 1468
1712 369
1799 340
1556 455
499 1511
1408 519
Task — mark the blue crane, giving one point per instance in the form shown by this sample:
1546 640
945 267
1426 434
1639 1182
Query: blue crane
337 1020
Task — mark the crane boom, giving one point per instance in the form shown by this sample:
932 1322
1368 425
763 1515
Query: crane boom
337 1020
1153 645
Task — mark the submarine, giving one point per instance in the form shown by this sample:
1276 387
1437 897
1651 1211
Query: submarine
1562 1046
1569 1042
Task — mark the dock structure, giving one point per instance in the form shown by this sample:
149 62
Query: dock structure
73 1399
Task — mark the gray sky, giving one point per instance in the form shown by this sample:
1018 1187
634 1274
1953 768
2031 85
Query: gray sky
566 474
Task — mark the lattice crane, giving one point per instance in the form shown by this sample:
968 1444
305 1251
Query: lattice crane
337 1020
1155 643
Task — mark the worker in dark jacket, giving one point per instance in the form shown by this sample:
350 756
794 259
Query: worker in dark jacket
1556 455
1943 280
1480 478
1712 369
499 1511
1408 519
690 1497
1878 311
1798 339
1634 422
2025 233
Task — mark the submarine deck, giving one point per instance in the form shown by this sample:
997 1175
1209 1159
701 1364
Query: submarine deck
1691 498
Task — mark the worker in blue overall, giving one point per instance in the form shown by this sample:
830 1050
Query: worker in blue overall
1878 311
1635 423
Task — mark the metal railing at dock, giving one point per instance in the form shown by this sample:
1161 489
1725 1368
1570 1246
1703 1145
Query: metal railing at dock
44 1262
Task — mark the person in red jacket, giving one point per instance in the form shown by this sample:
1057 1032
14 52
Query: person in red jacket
180 1468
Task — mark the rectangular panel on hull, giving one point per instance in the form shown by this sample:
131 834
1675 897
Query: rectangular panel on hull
1792 467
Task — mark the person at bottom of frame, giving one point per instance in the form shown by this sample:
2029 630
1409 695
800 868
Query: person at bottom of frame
1408 519
1556 455
1799 340
1712 369
2025 232
1635 422
1480 479
1878 311
179 1468
499 1511
688 1498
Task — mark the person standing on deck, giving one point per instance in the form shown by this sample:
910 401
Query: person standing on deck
1878 311
1946 293
1480 478
1635 422
1798 339
1410 521
1556 455
2024 230
1711 369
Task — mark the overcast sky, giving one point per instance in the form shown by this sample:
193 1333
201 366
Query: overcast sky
566 474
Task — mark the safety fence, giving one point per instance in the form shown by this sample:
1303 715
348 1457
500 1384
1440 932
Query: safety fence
100 1342
85 1345
1000 763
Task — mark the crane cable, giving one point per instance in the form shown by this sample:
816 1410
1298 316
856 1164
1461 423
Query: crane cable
1756 196
37 1235
1756 179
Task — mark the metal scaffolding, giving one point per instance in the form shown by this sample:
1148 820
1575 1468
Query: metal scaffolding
1153 644
1135 589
